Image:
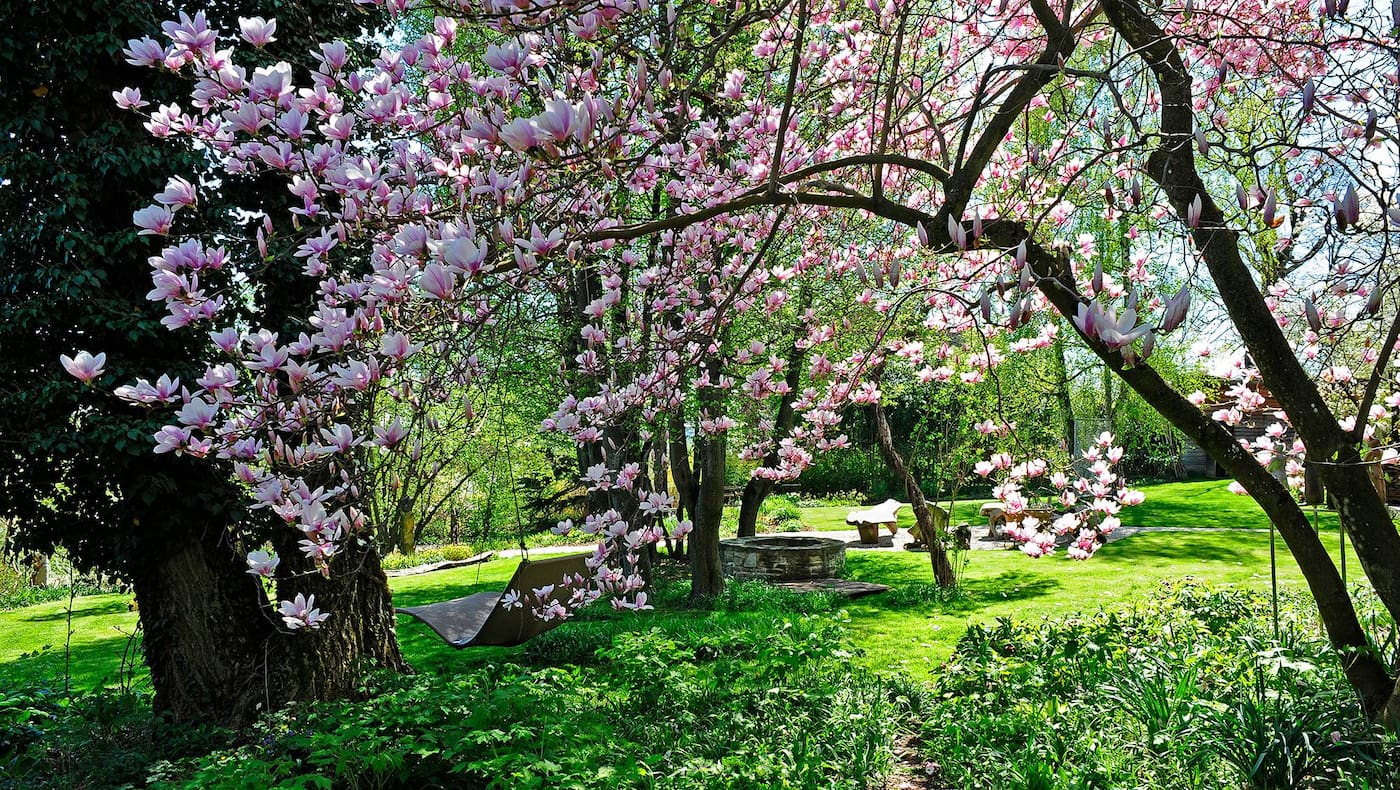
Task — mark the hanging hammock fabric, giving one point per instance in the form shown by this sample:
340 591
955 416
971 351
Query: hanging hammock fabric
484 618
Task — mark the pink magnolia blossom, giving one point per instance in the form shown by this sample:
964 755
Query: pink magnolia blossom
155 220
258 31
84 366
301 612
262 563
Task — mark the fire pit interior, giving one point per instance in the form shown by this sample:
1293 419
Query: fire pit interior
782 557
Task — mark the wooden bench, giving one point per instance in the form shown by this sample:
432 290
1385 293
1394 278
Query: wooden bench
998 519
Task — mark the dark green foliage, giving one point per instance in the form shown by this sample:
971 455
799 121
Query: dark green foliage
841 471
76 467
107 739
1188 691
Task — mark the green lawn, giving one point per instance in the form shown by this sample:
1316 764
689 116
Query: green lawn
1199 503
900 629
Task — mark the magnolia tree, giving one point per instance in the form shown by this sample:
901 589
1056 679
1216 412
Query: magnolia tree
945 155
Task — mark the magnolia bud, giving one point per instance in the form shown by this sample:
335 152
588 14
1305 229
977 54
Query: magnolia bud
956 233
1271 210
1373 302
1310 311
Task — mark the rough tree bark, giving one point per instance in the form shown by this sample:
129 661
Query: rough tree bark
217 650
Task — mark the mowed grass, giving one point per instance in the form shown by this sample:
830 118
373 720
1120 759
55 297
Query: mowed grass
905 630
1197 503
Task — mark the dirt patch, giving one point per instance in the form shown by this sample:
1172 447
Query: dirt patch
912 771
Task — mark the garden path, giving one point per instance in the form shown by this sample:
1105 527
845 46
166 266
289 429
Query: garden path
901 540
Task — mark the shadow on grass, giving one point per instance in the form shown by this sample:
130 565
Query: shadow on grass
95 663
82 607
1204 546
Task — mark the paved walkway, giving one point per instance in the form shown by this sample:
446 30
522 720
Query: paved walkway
981 541
898 542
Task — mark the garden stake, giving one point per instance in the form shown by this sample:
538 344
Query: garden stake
1342 539
1273 574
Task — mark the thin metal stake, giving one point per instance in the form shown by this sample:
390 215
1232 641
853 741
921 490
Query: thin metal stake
1273 574
1342 538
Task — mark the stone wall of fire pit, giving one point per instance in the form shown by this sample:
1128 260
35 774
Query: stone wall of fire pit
782 557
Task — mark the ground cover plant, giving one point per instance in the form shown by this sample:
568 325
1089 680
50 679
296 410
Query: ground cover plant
1190 690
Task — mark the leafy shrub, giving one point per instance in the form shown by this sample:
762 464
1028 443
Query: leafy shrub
851 498
16 592
21 595
394 561
456 552
101 739
849 470
780 513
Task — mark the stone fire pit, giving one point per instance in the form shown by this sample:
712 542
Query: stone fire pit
782 557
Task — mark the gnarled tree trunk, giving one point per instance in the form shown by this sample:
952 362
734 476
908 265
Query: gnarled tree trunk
218 651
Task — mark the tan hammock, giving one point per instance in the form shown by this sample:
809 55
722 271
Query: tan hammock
484 618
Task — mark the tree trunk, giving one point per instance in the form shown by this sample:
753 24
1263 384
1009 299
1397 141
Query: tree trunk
38 569
706 577
206 630
933 533
682 474
329 662
757 489
1109 405
408 528
1062 396
218 652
